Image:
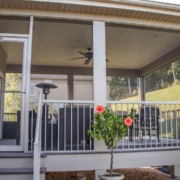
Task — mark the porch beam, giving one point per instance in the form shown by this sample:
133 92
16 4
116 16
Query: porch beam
91 17
64 70
160 62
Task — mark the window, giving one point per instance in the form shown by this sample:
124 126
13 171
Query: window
32 90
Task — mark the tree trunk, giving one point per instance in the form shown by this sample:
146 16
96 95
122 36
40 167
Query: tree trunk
111 165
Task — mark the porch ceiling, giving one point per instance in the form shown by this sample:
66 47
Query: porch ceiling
55 42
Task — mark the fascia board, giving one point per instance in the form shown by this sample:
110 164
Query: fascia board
115 3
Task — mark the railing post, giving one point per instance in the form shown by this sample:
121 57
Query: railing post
37 141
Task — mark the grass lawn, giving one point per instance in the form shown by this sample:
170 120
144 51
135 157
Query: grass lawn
167 94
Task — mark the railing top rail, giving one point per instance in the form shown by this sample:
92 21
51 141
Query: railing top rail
10 113
11 92
64 101
143 102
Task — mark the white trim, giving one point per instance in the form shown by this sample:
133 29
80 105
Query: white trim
23 89
10 39
63 101
142 102
28 72
24 41
14 35
93 17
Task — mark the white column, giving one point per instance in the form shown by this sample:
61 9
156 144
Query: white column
70 87
99 71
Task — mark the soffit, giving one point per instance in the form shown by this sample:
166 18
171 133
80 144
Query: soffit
97 10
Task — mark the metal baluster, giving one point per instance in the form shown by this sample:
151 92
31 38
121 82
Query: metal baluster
139 122
171 125
89 125
150 125
58 134
31 135
128 130
156 124
122 116
78 127
145 123
166 127
83 126
176 125
65 127
71 127
134 127
51 121
161 122
45 125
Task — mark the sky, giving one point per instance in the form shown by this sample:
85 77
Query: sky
169 1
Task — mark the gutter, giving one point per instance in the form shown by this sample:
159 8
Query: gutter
144 3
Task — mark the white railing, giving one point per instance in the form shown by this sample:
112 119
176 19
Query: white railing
37 141
64 125
156 125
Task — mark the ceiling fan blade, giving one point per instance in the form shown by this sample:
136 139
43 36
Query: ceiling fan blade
77 58
87 61
84 54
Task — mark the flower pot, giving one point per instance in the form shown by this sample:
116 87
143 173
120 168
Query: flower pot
81 178
115 176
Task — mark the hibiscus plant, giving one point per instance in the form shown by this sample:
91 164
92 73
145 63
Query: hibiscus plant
110 127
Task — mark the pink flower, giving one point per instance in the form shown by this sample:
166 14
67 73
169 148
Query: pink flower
99 109
128 121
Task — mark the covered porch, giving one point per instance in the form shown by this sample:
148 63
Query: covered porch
132 53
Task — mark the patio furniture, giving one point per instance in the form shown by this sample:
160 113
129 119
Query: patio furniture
32 121
78 120
149 120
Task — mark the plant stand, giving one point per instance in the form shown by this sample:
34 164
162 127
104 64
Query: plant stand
117 176
81 178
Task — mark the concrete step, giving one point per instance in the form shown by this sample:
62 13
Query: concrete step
18 160
19 173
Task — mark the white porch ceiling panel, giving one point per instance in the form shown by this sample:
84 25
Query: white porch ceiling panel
30 5
127 48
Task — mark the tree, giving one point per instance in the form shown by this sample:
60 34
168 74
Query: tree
119 87
159 79
12 100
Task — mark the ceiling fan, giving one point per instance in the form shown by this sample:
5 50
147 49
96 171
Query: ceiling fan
88 55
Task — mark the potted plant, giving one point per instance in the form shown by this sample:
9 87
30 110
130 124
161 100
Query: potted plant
111 128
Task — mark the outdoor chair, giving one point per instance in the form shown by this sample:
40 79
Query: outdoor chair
32 125
80 123
148 121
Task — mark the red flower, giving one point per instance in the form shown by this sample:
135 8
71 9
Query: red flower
128 121
99 109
